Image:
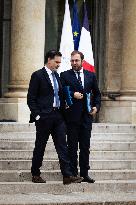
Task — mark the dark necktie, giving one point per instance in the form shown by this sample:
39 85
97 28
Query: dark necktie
79 77
56 90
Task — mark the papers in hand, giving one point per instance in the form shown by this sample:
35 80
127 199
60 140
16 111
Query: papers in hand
88 102
68 96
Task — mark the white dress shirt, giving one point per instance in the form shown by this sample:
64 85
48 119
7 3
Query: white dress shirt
51 79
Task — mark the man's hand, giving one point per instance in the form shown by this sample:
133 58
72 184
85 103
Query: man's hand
37 117
78 95
66 106
94 111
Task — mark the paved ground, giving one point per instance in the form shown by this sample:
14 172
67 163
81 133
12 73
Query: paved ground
76 198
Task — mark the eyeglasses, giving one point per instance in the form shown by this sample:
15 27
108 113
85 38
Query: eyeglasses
57 61
76 60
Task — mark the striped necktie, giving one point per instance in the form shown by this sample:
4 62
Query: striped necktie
56 90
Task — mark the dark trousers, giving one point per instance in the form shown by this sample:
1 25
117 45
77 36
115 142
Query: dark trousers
52 124
79 134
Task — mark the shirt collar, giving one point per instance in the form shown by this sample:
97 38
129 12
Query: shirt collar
81 71
48 70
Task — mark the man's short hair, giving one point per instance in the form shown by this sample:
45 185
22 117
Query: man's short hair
51 54
78 52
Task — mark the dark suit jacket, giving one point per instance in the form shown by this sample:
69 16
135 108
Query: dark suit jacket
68 78
40 95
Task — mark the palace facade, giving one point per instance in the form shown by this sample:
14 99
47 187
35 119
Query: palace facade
29 28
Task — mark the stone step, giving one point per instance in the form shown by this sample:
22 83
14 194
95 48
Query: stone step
114 137
23 136
22 145
29 136
59 188
95 145
112 145
113 128
71 198
55 175
99 155
96 128
115 155
25 154
108 142
16 127
54 164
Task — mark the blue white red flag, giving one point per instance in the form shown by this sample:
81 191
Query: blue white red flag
85 44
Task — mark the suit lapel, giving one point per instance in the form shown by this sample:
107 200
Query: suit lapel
48 79
86 79
46 76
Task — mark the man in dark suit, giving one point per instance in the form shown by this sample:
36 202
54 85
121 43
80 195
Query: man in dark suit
45 100
82 84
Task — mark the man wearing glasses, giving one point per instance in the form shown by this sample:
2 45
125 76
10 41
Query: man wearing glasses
80 84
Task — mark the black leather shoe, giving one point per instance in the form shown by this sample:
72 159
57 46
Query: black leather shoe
72 179
88 179
38 179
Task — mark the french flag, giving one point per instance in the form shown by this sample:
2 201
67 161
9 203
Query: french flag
85 44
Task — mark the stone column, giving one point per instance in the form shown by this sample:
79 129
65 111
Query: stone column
128 84
27 55
113 60
121 109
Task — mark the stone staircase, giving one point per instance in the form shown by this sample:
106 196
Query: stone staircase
112 162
